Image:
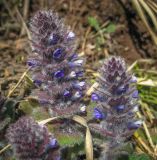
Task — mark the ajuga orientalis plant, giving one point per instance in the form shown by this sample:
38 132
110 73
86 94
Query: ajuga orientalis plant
31 141
116 103
57 70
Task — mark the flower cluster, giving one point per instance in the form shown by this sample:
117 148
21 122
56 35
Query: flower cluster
116 102
31 141
57 70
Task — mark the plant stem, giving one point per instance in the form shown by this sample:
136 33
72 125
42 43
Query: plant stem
20 80
5 148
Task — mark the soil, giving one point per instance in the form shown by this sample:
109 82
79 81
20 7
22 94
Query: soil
131 39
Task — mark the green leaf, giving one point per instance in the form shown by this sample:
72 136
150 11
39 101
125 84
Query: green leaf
99 41
26 107
72 152
39 114
4 123
9 106
33 102
66 140
29 80
139 157
141 134
111 28
154 138
93 23
92 81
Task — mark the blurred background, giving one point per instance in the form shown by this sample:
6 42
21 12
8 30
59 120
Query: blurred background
126 28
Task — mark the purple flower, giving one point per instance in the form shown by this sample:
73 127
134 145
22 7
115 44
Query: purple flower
37 82
77 63
134 125
135 108
32 63
79 85
53 143
58 53
59 74
73 57
80 74
95 97
29 140
70 35
121 90
67 94
98 114
72 74
53 39
120 108
61 69
133 79
77 95
135 94
117 102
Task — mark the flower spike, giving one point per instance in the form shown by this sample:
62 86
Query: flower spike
56 68
30 140
116 104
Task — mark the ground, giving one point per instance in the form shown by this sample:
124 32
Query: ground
130 38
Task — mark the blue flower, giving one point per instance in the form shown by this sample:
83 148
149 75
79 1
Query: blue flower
77 63
53 143
72 74
80 74
53 39
77 95
120 108
79 85
135 109
135 94
58 53
32 63
94 97
134 125
98 114
133 79
37 82
67 94
58 65
71 35
73 57
121 90
59 74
